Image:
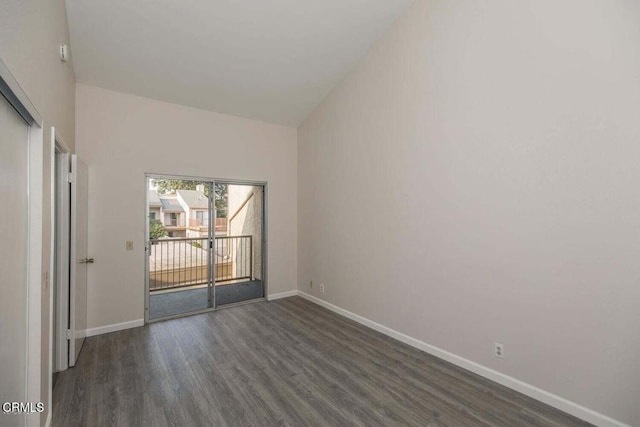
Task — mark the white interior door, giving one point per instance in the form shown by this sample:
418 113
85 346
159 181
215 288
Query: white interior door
79 258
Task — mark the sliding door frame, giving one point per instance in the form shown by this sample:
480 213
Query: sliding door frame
211 238
11 90
212 268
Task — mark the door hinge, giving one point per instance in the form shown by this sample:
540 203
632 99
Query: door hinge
70 177
69 334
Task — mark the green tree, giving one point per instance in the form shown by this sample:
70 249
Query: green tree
156 230
166 186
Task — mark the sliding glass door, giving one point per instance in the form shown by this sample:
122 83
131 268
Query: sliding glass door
204 245
238 244
179 256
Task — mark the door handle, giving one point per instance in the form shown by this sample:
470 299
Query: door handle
87 261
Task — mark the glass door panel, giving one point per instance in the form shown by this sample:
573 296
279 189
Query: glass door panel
239 235
179 259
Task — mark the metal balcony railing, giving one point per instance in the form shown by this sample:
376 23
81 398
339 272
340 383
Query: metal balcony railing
177 263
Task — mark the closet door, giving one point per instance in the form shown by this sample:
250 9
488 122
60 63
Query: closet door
14 157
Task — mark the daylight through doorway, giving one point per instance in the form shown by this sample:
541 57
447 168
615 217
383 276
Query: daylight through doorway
204 245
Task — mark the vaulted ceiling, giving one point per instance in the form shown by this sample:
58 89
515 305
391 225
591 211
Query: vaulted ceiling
271 60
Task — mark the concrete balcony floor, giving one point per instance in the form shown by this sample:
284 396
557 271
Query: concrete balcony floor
184 300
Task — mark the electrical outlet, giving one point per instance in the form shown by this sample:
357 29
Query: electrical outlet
498 350
322 288
129 245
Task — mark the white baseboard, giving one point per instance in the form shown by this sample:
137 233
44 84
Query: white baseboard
273 297
550 399
114 327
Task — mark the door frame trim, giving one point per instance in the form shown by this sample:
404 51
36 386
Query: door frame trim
59 266
16 96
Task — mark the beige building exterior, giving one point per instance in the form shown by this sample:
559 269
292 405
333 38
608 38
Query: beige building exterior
196 207
245 218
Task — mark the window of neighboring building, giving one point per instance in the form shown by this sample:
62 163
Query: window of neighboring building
202 217
171 219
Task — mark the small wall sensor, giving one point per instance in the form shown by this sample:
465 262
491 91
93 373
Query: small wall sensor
64 52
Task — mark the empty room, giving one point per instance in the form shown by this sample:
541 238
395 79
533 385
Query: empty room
320 213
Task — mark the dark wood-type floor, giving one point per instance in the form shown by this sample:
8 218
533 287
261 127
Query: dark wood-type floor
285 363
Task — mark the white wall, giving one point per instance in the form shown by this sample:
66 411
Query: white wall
122 136
30 34
475 179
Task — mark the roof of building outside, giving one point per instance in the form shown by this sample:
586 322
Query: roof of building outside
170 204
194 199
154 199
